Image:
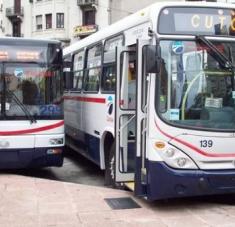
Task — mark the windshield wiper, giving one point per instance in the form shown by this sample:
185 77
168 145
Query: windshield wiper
222 59
22 106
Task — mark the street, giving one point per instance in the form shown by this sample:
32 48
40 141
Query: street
34 201
76 169
208 211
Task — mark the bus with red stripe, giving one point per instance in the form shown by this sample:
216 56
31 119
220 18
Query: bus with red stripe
151 100
31 107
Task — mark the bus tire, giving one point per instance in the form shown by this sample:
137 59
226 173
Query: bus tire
110 167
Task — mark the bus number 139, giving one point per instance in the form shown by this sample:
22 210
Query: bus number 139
206 143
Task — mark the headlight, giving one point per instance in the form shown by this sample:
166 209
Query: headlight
170 152
56 141
181 162
176 158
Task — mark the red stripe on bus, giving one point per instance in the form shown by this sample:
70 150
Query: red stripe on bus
215 155
33 130
85 99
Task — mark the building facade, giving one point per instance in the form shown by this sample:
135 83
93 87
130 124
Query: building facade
64 20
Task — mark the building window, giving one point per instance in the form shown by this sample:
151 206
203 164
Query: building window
60 20
88 17
39 22
48 21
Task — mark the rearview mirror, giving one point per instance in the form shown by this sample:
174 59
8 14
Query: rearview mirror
153 56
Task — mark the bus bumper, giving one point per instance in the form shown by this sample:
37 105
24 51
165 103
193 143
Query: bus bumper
31 158
165 182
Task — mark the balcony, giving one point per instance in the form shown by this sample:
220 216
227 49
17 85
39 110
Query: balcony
87 3
14 13
84 30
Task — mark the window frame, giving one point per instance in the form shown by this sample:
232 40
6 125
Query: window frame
84 20
60 20
37 24
50 21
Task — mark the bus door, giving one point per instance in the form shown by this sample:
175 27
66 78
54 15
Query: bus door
142 98
131 122
125 119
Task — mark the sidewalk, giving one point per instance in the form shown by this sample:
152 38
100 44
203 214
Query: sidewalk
32 202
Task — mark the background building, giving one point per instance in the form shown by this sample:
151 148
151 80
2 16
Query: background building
65 20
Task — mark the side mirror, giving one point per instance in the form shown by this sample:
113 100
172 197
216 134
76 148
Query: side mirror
153 58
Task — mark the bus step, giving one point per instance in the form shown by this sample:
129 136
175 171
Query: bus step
130 185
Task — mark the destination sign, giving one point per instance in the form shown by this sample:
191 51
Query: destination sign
197 21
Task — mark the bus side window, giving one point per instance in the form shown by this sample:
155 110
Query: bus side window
93 68
108 78
75 80
80 79
78 63
92 80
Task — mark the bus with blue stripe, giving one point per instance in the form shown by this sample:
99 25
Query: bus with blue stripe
151 100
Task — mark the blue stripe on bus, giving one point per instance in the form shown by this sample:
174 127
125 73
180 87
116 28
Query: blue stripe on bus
93 147
29 158
164 182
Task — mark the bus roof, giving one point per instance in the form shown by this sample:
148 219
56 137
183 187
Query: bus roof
135 19
30 41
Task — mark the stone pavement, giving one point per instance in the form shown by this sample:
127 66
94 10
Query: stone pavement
32 202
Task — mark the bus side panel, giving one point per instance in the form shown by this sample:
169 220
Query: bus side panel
96 117
86 118
73 116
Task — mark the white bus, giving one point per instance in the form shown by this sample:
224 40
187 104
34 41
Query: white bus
151 99
31 103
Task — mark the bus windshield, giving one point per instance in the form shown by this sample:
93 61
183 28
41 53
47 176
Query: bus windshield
196 84
36 87
30 80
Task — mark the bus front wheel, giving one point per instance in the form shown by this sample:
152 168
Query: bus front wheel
110 166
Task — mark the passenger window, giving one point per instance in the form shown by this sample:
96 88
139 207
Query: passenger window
108 78
77 80
108 81
92 76
92 80
78 64
80 78
109 48
94 56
